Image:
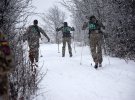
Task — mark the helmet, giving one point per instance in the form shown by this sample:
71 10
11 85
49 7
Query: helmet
65 24
92 17
35 22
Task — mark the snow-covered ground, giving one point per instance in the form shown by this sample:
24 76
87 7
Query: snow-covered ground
76 79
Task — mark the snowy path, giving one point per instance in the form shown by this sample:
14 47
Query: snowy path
68 80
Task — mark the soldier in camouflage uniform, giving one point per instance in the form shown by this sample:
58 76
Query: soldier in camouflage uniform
32 35
95 37
66 38
6 64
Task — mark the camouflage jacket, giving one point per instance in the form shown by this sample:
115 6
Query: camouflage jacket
66 30
32 35
93 26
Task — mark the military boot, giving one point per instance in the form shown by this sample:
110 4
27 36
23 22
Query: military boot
100 65
96 65
71 55
63 55
63 51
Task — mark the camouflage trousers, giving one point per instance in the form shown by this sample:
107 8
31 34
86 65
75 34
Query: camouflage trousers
34 54
95 46
68 41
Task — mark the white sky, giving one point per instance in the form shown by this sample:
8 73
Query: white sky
42 6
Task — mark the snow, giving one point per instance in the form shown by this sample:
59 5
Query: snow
76 79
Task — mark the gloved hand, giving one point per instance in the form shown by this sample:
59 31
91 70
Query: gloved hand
41 38
104 27
84 26
57 29
73 29
24 40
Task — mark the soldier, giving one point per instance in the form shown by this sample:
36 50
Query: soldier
95 37
6 64
66 37
32 35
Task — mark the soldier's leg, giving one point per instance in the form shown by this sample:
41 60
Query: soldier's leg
36 54
99 49
64 47
69 46
31 55
93 47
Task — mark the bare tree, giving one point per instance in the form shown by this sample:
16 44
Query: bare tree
13 18
53 19
118 16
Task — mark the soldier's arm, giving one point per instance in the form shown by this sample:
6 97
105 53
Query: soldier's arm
72 29
101 28
101 25
85 25
43 32
59 29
